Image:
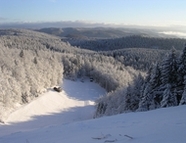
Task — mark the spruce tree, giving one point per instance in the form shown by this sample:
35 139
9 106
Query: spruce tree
133 94
169 98
169 70
182 63
169 80
148 99
183 99
154 84
150 89
155 76
128 97
181 73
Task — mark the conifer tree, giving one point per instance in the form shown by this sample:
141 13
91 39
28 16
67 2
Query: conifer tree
144 103
169 98
181 73
133 94
182 63
147 98
169 80
169 70
128 97
183 99
155 83
155 76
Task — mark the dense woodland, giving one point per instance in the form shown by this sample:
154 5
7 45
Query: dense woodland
25 74
139 58
134 41
164 86
32 61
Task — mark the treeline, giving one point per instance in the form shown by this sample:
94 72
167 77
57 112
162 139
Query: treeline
135 41
164 86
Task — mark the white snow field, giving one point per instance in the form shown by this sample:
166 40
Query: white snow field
67 118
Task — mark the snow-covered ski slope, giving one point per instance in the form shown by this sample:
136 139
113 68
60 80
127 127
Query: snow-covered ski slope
74 103
67 118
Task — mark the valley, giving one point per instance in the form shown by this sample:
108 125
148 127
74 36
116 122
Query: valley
102 72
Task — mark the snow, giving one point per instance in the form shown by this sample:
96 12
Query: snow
67 118
74 103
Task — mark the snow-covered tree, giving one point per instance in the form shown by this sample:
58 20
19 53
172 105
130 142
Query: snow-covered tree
169 98
154 84
181 73
183 99
169 70
147 101
128 102
182 63
169 77
133 94
146 93
155 76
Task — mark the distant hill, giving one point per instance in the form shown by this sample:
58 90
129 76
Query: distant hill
135 41
33 40
106 39
98 33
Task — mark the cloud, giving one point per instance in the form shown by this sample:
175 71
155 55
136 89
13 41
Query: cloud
179 34
59 24
168 30
3 19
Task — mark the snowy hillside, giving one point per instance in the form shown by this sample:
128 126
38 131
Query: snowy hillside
74 103
66 118
32 61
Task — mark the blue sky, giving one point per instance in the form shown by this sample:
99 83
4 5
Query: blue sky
127 12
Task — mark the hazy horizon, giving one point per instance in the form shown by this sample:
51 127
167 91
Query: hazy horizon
155 13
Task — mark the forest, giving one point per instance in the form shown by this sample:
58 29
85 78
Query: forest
136 78
163 86
133 41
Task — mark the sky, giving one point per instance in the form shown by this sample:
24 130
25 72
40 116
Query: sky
118 12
